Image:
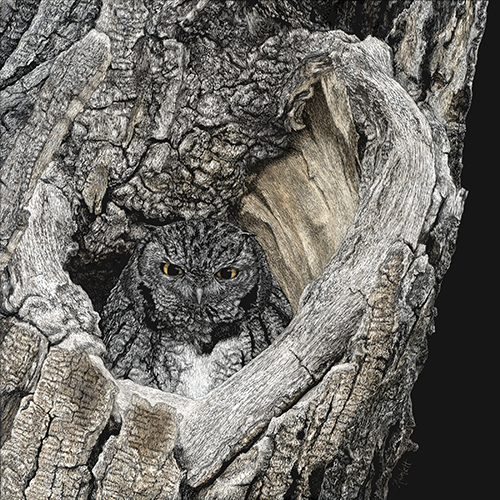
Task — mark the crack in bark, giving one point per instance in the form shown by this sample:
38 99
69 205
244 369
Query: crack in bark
35 468
302 365
112 428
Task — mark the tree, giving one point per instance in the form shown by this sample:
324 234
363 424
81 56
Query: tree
333 130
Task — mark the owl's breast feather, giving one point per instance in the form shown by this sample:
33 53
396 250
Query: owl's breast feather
200 373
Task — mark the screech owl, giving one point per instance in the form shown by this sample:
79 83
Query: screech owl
195 303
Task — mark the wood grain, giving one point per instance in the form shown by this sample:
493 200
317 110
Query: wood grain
343 155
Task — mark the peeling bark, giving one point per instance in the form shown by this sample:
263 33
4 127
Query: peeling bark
333 130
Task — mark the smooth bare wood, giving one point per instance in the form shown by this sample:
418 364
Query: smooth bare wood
302 221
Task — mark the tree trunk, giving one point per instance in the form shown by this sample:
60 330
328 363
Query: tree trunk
333 130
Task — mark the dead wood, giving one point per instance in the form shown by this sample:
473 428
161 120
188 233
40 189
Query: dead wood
340 148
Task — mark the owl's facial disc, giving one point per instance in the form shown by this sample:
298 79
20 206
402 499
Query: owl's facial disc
209 289
224 274
200 273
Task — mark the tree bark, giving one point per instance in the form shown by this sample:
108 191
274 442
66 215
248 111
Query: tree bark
333 130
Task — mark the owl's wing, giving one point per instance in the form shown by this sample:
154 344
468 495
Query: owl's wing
279 299
126 337
277 312
114 315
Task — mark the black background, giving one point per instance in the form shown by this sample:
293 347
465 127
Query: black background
454 399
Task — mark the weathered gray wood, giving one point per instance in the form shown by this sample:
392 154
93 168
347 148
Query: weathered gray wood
335 306
342 154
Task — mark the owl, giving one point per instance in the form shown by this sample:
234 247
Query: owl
194 304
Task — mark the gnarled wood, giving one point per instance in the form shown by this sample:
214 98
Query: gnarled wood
342 155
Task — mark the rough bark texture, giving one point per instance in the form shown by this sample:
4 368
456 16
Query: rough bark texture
332 129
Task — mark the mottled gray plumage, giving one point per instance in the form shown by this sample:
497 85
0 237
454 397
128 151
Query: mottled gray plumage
195 303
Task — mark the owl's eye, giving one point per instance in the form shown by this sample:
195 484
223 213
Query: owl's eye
172 269
227 273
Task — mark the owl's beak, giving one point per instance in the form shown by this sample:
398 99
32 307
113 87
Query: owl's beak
199 294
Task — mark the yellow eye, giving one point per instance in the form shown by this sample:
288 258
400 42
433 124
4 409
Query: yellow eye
172 269
227 273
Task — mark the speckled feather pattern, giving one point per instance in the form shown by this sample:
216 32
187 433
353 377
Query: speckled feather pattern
187 333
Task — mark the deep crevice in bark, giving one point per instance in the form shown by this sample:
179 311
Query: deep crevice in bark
112 429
